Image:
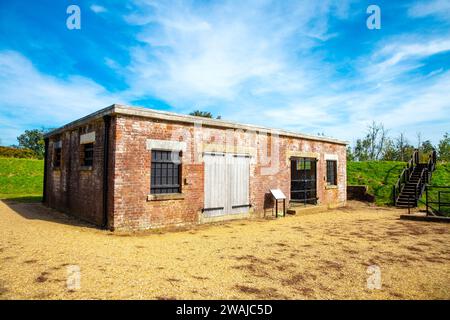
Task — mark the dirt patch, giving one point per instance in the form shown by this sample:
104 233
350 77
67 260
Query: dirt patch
30 261
42 277
318 256
3 289
264 293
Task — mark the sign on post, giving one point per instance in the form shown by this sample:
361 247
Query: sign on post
277 194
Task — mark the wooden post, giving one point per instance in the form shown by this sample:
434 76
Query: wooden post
426 197
276 208
284 207
393 194
439 201
409 200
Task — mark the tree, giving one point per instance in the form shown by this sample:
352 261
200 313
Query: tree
33 140
419 140
444 148
204 114
377 137
350 155
403 146
372 146
390 152
361 150
427 147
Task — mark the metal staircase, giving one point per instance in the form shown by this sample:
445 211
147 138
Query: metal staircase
413 179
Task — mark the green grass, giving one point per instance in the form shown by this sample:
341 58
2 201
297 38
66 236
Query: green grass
441 177
379 176
21 179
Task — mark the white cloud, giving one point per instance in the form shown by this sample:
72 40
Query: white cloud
439 8
97 8
223 51
253 62
399 56
30 98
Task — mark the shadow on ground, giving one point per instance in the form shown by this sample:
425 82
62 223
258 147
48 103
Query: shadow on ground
31 208
21 199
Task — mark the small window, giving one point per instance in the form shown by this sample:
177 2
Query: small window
57 157
87 158
332 172
165 172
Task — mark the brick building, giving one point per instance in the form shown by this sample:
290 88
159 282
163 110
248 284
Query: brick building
135 168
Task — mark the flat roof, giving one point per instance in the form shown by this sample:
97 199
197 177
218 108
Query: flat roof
171 116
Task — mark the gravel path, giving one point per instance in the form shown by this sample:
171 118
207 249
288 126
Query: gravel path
319 256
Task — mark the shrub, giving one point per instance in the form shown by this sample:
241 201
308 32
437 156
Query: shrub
9 152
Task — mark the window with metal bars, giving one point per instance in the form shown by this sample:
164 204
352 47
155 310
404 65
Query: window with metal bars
332 172
87 155
57 157
165 172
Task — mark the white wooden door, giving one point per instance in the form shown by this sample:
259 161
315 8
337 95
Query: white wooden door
226 184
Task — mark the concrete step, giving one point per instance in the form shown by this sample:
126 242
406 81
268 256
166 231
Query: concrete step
306 209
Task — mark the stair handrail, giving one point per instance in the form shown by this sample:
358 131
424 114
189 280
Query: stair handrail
420 185
431 164
404 177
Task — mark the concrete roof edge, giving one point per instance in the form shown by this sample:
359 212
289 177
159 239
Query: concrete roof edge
171 116
95 115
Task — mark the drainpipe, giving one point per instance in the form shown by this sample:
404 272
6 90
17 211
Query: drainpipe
107 121
44 192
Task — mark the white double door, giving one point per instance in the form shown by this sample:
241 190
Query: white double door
227 178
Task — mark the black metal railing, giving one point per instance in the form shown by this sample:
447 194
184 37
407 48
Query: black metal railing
437 200
424 178
405 175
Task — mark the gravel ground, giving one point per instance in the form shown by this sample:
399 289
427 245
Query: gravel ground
319 256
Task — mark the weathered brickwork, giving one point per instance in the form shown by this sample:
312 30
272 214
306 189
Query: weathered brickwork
71 187
79 191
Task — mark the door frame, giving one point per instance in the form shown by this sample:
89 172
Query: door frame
227 208
304 200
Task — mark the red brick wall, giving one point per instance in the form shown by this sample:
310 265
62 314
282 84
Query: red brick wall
132 179
132 172
78 191
72 188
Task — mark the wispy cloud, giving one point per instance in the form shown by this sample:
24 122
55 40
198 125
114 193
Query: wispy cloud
309 66
29 96
97 8
258 61
222 51
438 8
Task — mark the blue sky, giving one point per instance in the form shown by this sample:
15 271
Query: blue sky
307 66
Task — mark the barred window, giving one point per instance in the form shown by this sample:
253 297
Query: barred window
87 158
165 172
332 172
57 157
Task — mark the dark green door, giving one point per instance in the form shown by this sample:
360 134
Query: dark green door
304 180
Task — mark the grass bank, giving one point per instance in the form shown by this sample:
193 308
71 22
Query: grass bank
21 179
379 176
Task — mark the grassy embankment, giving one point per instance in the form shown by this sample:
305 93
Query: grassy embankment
380 176
21 179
